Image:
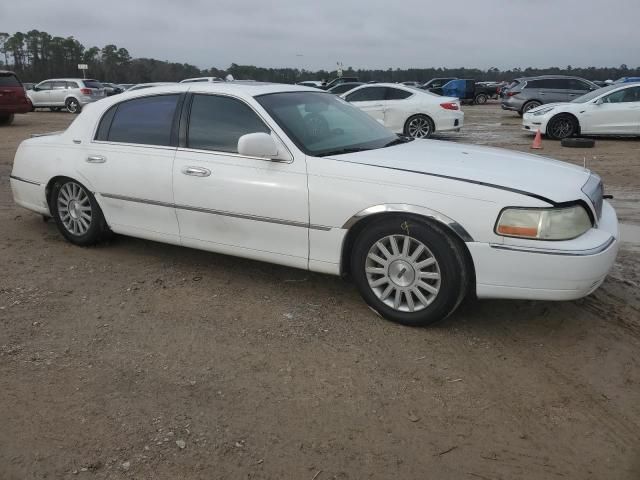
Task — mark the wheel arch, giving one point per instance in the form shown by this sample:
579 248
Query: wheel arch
422 113
360 221
48 189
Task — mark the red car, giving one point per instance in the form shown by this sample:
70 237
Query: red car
13 98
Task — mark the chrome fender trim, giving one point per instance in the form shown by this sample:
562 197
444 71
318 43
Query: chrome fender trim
414 209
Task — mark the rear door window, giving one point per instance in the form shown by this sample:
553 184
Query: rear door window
397 94
147 120
368 94
9 80
216 123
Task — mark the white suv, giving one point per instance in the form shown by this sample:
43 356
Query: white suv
69 93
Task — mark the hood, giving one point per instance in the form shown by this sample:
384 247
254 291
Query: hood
544 177
547 105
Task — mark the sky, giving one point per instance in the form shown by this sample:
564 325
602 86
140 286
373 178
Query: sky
362 34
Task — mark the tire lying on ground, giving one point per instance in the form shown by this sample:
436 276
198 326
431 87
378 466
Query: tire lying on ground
578 142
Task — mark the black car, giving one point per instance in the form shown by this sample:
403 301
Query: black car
435 84
344 87
112 88
338 81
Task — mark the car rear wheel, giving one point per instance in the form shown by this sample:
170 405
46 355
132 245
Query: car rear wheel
77 214
7 119
562 126
530 106
409 271
72 105
480 99
419 126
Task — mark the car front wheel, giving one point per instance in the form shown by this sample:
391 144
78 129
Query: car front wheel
562 126
77 214
409 271
7 119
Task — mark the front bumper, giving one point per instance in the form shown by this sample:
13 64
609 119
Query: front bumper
563 272
532 123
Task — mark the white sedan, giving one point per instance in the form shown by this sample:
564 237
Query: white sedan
407 110
612 110
296 176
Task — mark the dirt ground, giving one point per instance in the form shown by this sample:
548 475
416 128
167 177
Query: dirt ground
139 360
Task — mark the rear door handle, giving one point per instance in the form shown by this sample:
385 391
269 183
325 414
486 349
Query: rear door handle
196 171
96 159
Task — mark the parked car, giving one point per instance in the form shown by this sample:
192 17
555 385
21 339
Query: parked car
412 84
311 83
294 176
338 81
126 86
141 86
202 79
612 110
112 88
407 110
528 93
69 93
344 87
628 80
28 85
468 90
12 97
435 84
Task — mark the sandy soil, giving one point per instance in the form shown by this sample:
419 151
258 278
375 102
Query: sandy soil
113 358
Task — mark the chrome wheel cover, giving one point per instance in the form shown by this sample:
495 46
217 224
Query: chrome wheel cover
531 106
403 273
72 106
74 209
419 127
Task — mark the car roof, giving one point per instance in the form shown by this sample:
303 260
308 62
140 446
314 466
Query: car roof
252 89
69 80
543 77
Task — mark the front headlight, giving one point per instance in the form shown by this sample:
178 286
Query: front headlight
542 111
544 223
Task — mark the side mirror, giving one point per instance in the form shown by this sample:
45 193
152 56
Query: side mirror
35 88
261 145
599 101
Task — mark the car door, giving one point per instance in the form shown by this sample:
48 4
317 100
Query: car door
396 108
58 93
617 113
577 88
371 100
41 94
129 166
234 204
553 90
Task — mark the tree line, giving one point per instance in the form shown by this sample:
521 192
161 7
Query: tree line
37 55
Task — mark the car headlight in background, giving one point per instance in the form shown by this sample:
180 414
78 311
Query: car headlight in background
544 223
541 111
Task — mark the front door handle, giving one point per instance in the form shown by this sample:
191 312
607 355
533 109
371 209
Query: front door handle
196 171
96 159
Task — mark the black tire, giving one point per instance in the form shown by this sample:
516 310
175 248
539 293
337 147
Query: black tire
480 99
562 126
73 105
62 210
422 126
450 265
578 142
6 119
530 105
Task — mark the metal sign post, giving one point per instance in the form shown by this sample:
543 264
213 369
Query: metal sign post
84 67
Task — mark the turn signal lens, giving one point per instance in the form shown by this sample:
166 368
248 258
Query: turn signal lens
450 106
544 223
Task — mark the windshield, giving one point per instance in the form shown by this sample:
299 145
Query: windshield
594 94
322 124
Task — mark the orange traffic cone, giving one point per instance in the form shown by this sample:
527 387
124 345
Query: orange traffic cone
537 142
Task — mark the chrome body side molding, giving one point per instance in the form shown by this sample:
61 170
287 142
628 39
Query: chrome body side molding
454 226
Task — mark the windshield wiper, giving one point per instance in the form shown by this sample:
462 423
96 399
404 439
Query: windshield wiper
341 151
399 140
